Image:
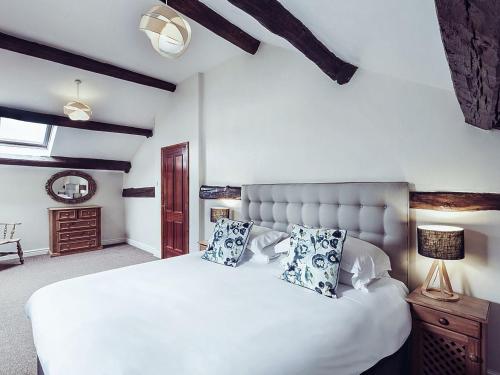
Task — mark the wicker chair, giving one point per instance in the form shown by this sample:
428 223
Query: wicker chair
9 230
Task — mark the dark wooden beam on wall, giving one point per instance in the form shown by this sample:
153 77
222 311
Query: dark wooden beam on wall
214 22
29 48
43 118
470 30
277 19
145 192
65 162
454 201
220 192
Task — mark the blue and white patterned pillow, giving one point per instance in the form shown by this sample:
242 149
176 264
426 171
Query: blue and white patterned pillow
228 242
314 259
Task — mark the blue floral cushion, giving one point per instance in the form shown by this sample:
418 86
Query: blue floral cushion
314 259
228 242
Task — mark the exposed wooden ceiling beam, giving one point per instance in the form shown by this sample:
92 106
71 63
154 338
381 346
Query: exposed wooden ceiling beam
214 22
26 47
43 118
65 162
471 36
274 17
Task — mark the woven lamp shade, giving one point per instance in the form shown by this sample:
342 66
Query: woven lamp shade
441 242
77 111
168 32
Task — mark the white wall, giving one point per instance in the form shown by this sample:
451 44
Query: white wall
274 117
23 199
176 122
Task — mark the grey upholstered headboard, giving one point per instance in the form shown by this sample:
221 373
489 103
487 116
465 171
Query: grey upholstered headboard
376 212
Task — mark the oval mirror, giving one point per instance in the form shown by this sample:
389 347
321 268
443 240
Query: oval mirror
71 187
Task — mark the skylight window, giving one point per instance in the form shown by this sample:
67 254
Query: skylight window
21 133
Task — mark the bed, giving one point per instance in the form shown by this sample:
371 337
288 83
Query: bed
188 316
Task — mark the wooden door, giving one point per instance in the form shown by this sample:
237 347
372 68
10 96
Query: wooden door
175 200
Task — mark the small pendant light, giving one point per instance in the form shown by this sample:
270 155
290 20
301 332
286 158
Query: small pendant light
76 110
168 32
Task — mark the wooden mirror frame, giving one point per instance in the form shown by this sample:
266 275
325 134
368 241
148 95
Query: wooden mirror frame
91 188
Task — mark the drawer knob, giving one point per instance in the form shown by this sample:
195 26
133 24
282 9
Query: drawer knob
443 321
473 358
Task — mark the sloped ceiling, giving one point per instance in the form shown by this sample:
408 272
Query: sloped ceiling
399 38
107 31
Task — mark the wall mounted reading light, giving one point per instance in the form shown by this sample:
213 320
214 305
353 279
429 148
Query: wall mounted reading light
168 32
76 110
218 212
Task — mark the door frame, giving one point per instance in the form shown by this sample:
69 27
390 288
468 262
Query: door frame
164 150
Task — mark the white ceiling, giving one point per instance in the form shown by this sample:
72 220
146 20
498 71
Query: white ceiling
107 31
393 37
399 38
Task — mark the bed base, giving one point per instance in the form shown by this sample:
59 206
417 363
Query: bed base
396 364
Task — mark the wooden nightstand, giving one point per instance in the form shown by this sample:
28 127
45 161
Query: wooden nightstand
448 337
203 245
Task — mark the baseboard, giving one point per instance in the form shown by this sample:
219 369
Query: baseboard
113 241
492 372
27 253
45 250
145 247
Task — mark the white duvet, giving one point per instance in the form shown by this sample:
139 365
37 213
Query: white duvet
189 316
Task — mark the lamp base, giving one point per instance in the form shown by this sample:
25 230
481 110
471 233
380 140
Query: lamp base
445 291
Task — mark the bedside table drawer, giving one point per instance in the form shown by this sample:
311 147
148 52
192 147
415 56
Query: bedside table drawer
447 321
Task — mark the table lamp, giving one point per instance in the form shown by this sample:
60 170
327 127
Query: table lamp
441 243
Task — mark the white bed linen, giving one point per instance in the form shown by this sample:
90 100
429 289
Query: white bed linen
189 316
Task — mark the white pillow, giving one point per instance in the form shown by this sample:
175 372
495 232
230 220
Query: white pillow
350 279
364 261
266 256
282 247
262 238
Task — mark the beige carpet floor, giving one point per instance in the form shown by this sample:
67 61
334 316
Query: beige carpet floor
18 282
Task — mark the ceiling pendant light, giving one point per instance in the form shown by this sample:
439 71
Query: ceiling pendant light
168 32
76 110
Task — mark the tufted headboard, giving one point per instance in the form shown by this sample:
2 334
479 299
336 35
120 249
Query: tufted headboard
376 212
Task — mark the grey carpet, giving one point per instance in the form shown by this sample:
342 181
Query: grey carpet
18 282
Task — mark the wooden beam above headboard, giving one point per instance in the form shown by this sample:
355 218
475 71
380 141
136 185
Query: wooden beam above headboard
454 201
220 192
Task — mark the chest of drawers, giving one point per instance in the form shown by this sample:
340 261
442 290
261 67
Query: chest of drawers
74 229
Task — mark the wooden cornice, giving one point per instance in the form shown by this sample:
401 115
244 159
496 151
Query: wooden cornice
277 19
65 162
470 30
43 118
454 201
29 48
214 22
